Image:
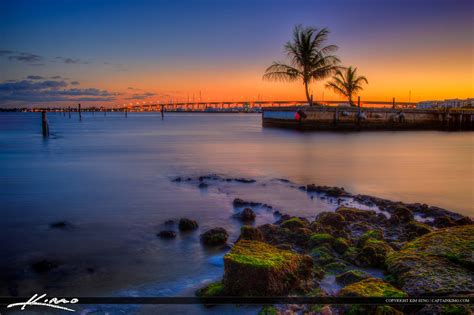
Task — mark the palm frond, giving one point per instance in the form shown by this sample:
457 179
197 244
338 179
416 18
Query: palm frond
281 72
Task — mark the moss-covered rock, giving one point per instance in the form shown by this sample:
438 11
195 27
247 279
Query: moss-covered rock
373 253
250 233
336 267
211 290
268 310
322 255
352 276
440 262
253 268
371 287
371 234
294 223
400 214
318 239
340 245
214 237
354 214
414 229
331 219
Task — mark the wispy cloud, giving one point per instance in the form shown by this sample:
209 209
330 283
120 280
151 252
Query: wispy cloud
141 96
37 91
35 77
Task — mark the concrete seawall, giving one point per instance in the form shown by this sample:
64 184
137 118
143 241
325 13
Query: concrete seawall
343 118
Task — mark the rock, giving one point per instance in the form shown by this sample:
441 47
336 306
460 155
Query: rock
444 221
247 215
170 222
353 214
44 266
330 191
177 179
268 310
167 234
250 233
318 239
464 221
371 234
202 185
373 253
294 223
253 268
414 229
63 225
331 219
244 180
371 287
352 276
322 255
438 263
277 213
214 237
187 224
340 245
242 203
211 290
400 214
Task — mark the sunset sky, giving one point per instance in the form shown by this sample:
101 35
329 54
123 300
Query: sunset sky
116 52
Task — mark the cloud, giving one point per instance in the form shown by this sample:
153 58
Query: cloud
75 83
56 77
26 57
4 52
141 96
71 60
35 77
37 91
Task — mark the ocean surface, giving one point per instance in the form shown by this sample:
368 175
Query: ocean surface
111 178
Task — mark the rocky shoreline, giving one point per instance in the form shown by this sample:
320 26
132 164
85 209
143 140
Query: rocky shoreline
293 255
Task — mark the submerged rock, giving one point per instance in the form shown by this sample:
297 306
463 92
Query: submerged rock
328 190
440 262
352 276
214 237
414 229
242 203
294 223
400 214
202 185
247 215
167 234
187 224
63 225
253 268
354 214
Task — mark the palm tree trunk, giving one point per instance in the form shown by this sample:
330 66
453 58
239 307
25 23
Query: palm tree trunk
307 93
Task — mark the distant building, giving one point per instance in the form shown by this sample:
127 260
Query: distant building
449 103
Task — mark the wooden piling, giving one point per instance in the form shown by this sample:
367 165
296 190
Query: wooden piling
162 111
393 103
69 111
79 112
126 112
44 124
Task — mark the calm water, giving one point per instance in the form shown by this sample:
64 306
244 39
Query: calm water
110 177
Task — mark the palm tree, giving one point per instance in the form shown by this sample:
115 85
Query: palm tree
347 83
310 60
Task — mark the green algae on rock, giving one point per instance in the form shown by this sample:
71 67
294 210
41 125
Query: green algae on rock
440 262
318 239
254 268
371 287
294 223
211 290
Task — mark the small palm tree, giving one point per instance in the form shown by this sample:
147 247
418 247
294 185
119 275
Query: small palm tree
347 83
310 60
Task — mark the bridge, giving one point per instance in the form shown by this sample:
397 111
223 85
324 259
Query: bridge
206 106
